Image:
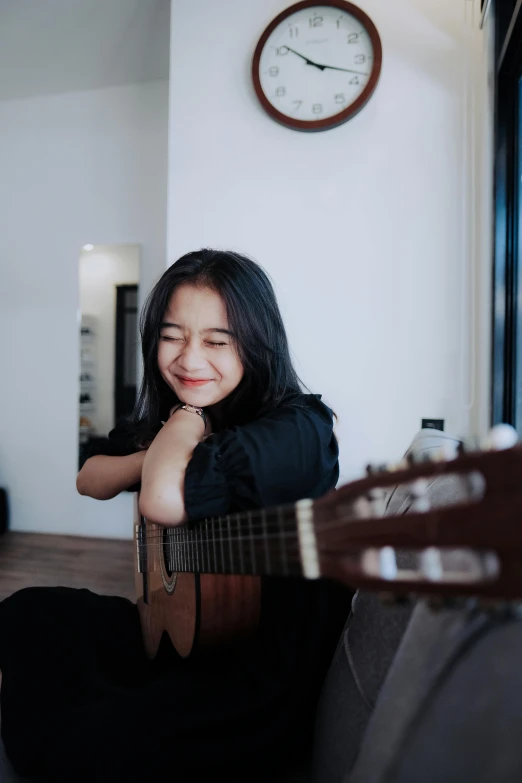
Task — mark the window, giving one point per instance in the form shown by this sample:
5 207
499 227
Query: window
507 306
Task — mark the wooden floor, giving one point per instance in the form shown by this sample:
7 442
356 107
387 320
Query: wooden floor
29 560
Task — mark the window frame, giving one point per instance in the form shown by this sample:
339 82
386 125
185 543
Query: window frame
508 70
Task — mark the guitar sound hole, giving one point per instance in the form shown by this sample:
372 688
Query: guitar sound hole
166 552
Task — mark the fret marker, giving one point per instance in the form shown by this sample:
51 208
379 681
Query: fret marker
307 539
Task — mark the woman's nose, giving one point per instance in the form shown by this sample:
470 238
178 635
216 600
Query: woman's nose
191 358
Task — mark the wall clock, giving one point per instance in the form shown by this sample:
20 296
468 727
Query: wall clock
317 64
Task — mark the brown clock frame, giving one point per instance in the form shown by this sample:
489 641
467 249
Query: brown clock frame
358 104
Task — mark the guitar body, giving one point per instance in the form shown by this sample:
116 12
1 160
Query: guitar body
197 611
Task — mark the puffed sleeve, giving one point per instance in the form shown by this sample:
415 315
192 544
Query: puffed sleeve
119 443
288 454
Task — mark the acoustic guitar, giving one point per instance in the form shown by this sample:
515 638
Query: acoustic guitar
201 582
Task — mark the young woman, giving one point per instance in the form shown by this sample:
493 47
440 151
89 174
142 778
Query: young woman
221 425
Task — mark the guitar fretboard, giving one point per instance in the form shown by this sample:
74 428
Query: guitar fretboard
257 542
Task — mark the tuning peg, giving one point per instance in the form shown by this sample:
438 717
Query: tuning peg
473 443
361 508
375 470
389 467
419 492
447 452
430 564
393 467
381 563
402 465
439 454
377 499
500 437
388 563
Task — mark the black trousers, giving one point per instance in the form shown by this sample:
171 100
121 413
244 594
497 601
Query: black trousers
80 701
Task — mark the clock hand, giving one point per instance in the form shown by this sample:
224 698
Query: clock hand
322 67
308 62
348 70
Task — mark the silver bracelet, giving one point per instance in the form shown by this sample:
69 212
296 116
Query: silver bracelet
194 409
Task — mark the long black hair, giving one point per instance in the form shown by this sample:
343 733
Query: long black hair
255 321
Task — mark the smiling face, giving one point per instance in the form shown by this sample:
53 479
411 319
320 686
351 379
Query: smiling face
197 355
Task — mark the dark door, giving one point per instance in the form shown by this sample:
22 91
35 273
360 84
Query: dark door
126 346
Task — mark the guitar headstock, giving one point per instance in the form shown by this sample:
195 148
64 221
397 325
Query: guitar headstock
466 544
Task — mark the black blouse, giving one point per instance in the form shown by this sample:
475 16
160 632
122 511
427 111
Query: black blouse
288 454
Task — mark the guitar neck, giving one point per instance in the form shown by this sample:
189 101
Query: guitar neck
471 546
275 542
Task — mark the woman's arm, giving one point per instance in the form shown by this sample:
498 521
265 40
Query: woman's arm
103 477
162 489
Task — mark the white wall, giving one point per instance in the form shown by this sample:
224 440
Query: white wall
361 227
86 167
100 271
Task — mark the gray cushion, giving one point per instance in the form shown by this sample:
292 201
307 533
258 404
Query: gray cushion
361 661
470 725
451 707
406 677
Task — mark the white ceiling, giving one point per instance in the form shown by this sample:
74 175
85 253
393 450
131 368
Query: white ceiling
52 46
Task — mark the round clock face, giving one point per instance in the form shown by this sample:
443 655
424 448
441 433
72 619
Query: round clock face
316 65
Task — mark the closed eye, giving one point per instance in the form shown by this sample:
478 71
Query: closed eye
167 338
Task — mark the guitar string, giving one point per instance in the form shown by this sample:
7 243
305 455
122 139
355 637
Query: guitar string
178 548
288 534
258 519
289 529
284 517
290 524
292 549
271 540
293 559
